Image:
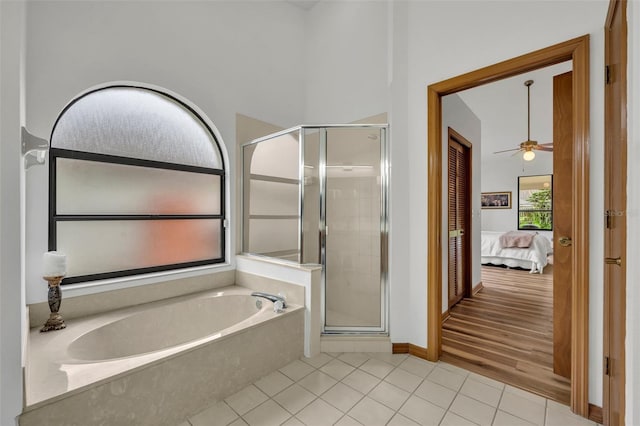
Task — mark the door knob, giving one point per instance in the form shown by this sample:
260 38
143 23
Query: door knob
613 261
564 241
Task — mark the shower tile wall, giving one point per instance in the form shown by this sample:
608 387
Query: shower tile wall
353 249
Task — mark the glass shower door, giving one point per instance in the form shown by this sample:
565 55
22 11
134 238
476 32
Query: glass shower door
353 205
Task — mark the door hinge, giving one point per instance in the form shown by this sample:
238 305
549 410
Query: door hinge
607 74
607 216
607 366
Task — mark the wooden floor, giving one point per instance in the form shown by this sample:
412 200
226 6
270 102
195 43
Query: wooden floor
505 332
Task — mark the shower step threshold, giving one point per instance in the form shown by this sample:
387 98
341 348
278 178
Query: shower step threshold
355 343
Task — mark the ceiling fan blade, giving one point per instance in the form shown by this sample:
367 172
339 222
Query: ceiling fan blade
545 148
507 150
548 145
516 153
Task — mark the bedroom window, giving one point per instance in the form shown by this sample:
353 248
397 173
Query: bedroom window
535 202
137 185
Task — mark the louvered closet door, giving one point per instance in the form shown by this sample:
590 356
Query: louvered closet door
458 187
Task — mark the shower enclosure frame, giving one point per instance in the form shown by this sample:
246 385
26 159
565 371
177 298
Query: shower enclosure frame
322 223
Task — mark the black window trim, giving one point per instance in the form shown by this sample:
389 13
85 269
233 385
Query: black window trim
54 218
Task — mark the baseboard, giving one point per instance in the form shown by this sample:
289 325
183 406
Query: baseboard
445 315
400 348
476 288
411 349
595 414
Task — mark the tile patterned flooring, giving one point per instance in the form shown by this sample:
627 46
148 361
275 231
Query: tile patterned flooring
381 389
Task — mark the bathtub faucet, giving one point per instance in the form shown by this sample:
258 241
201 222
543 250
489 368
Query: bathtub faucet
274 298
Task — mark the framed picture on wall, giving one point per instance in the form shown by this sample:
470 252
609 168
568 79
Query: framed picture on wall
496 200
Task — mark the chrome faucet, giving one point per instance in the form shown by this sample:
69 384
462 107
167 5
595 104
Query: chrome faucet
274 298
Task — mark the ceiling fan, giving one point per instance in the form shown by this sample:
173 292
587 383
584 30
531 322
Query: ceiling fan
529 147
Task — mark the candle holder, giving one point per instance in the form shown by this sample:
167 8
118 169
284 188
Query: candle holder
55 321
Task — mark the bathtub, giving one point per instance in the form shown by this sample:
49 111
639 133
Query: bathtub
157 363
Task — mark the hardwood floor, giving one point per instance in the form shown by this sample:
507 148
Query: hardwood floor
505 332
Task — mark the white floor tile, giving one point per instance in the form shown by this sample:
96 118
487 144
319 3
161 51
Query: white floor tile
481 392
523 407
389 358
273 383
293 422
342 397
528 395
354 358
506 419
400 420
389 395
453 368
246 400
417 366
377 368
317 382
370 412
296 370
294 398
473 410
446 378
436 394
422 412
318 360
319 413
219 413
337 369
361 381
487 381
238 422
348 421
403 379
267 414
451 419
561 415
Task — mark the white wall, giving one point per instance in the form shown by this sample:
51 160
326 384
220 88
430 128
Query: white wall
446 39
225 57
12 296
457 115
501 174
633 218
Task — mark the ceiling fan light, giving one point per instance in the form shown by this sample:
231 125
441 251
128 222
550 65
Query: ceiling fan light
528 155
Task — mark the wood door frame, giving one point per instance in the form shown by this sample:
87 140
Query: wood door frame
577 51
609 305
457 137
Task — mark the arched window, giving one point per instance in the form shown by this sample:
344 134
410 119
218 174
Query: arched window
136 185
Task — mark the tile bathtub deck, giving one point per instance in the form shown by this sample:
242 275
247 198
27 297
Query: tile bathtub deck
381 389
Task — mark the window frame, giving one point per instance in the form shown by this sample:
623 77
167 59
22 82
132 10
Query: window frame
550 210
54 218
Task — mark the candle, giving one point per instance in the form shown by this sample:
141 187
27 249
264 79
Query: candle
55 264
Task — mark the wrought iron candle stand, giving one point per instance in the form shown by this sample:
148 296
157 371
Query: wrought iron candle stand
55 321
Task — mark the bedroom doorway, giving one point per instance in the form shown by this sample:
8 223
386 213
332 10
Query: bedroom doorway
576 51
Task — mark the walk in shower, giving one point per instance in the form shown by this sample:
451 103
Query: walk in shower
318 195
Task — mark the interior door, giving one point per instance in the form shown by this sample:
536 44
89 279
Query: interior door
562 223
615 213
459 208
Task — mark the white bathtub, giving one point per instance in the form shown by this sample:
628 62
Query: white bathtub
157 363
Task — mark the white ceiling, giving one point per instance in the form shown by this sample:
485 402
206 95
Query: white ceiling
502 109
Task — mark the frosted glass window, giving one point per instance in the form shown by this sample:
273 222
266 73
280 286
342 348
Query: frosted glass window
136 123
137 185
95 247
89 187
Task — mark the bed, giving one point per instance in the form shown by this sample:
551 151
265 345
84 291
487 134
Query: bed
533 258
